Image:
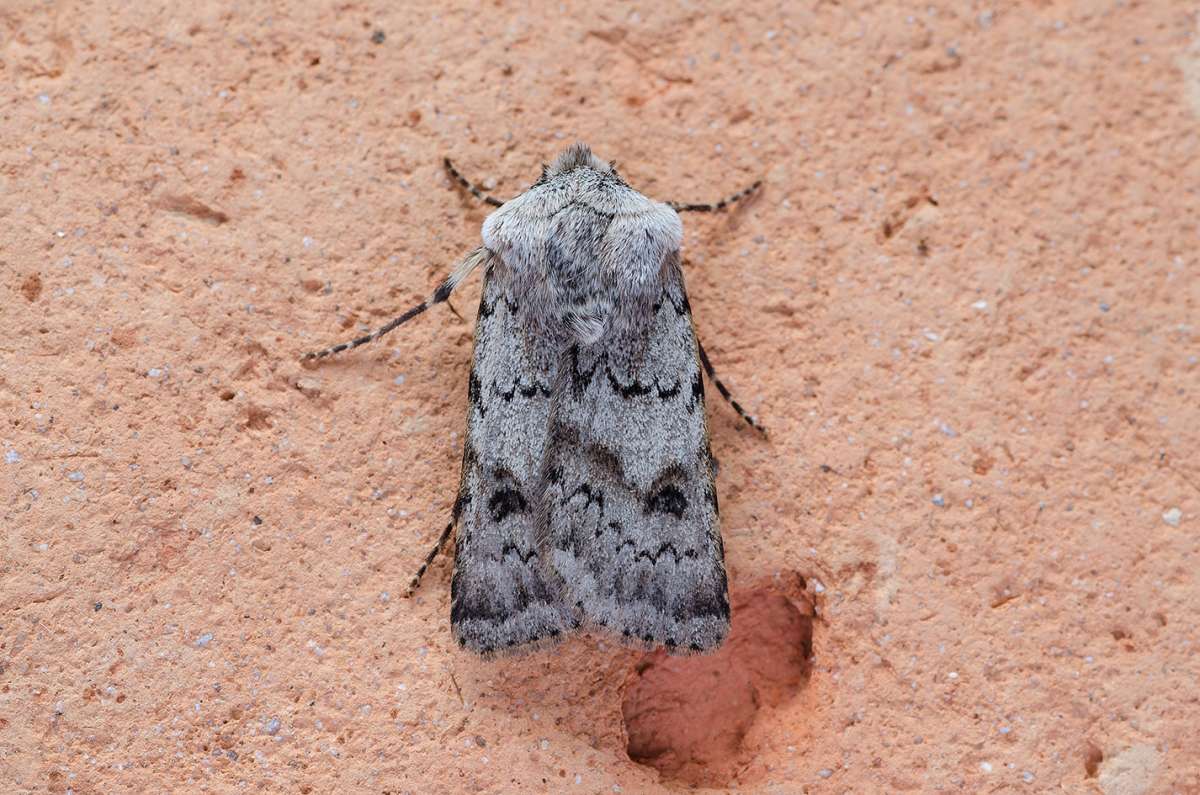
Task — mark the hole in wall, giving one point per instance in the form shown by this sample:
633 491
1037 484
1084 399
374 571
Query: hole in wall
1092 757
688 717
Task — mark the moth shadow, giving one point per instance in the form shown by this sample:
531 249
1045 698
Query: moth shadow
573 689
721 226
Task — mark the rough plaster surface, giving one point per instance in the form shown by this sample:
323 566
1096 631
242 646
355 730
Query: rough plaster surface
965 303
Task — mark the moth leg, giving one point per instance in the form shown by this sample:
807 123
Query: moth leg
724 390
433 553
684 207
464 268
471 186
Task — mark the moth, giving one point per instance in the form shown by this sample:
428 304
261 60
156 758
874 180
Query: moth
586 498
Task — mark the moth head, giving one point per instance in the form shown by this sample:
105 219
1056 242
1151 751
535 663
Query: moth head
578 155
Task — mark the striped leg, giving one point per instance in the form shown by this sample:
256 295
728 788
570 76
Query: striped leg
473 260
724 390
681 207
471 186
433 553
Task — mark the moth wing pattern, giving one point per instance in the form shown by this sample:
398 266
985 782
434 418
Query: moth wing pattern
631 504
503 592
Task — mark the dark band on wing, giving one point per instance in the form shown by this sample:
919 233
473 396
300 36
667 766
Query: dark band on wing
505 502
668 499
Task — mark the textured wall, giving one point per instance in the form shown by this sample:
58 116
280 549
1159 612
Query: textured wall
964 303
